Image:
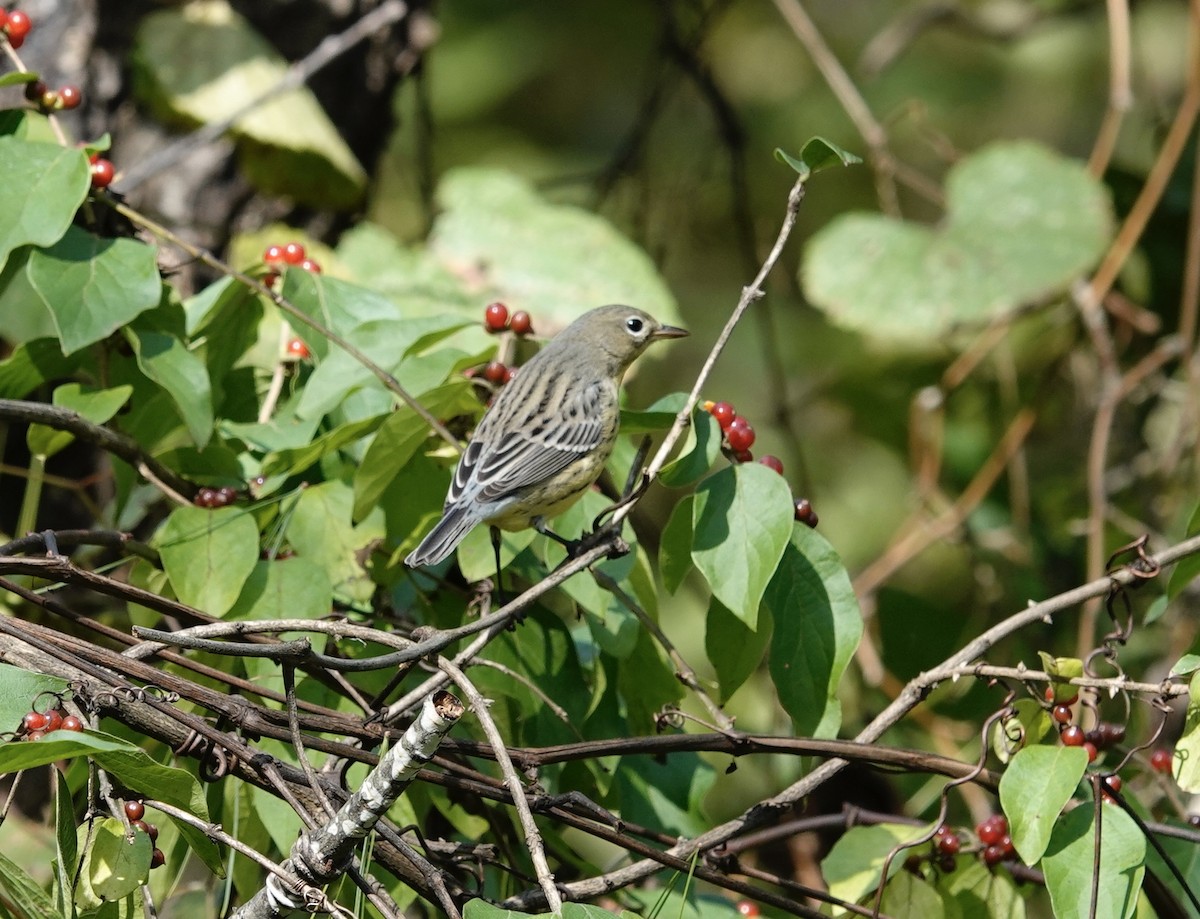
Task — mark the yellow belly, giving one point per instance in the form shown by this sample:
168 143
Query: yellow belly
553 496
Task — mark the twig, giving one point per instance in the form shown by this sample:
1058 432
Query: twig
1120 91
533 836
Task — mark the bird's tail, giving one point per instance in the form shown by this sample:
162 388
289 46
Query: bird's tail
445 536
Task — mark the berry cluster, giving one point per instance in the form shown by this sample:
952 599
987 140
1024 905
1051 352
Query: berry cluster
215 497
997 844
135 811
1103 736
946 845
14 26
36 725
53 100
276 257
739 437
496 319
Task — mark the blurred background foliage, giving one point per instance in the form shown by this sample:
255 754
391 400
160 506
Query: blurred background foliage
662 117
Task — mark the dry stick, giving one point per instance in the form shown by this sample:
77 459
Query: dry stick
1120 92
299 73
533 836
850 98
683 670
63 419
749 295
917 538
915 691
1111 685
1089 299
207 258
320 857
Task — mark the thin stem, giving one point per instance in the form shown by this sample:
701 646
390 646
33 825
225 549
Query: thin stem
27 519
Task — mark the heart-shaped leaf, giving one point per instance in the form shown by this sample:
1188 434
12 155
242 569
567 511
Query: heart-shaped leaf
1021 223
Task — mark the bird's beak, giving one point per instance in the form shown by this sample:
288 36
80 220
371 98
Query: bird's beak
668 331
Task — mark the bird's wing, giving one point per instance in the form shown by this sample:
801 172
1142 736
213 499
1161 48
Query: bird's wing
496 467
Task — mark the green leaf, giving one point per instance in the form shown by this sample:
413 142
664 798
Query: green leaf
35 902
32 364
167 361
817 154
19 688
203 62
208 555
734 649
115 865
675 547
818 625
321 531
1036 786
1021 224
1031 724
284 588
481 909
979 891
1068 864
92 286
741 521
552 259
18 77
477 558
908 896
66 842
1066 668
399 437
295 460
44 184
1187 748
97 406
1186 665
1185 854
701 449
665 794
854 865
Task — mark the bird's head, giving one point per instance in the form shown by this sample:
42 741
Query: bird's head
622 332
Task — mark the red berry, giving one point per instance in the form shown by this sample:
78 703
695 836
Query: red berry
1072 736
18 27
152 831
1090 749
509 373
293 253
1061 714
1055 693
990 831
1112 782
522 324
34 721
1110 734
3 18
772 462
495 371
743 456
1160 760
54 720
71 723
103 173
140 825
298 349
1006 845
495 317
69 96
35 90
35 735
309 265
270 278
948 844
993 855
740 435
724 414
157 859
273 255
226 495
135 810
805 513
747 908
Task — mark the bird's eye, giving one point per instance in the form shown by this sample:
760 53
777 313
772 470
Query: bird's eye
634 325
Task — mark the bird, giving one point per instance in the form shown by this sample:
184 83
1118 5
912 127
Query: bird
548 433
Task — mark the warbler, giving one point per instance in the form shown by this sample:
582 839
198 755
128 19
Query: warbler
546 437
